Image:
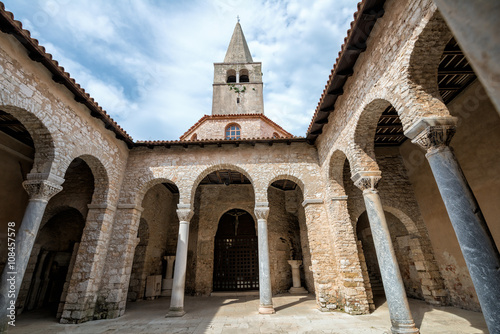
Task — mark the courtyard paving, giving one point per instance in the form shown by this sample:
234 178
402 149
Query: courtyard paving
294 314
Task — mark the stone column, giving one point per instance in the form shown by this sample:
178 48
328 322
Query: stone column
399 310
297 287
477 245
177 300
166 286
40 191
266 300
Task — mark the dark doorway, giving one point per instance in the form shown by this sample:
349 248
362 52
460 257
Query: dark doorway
236 261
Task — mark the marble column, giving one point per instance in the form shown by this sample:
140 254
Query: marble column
297 287
185 214
478 247
399 310
266 301
166 286
40 191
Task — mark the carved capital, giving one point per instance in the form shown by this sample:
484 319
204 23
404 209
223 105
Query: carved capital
434 137
185 214
41 189
366 180
261 212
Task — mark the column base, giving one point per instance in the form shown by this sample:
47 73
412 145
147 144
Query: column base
175 313
298 291
266 309
404 328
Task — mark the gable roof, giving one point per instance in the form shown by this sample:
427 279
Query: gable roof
233 117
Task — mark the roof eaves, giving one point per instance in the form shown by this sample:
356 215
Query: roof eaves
369 11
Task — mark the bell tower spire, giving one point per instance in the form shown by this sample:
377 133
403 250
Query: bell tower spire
237 87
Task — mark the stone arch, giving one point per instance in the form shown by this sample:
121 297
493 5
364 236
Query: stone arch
289 178
100 173
212 169
409 224
43 139
364 133
231 76
420 78
336 173
143 189
238 207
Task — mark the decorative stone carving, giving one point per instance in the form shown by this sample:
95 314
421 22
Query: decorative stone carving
366 180
262 212
41 189
185 214
434 137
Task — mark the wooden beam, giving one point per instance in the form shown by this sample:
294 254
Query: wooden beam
455 71
218 176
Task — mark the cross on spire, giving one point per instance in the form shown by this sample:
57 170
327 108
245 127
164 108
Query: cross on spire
238 18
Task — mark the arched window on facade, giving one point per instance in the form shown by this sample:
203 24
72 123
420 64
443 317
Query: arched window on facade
244 76
231 76
276 135
194 137
233 131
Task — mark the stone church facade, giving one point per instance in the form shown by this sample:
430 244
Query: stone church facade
394 182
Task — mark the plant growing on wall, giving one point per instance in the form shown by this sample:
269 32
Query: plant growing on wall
237 90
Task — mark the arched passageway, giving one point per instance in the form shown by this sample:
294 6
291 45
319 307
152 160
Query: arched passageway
236 260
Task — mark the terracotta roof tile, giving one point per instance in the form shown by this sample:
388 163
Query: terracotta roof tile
235 116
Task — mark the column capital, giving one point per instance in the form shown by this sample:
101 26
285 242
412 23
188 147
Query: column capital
366 180
434 137
184 212
261 212
432 132
41 189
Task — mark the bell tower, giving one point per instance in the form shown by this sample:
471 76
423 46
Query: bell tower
237 87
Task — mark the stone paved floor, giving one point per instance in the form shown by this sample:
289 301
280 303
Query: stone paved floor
295 314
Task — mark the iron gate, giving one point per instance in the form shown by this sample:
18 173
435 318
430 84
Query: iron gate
236 263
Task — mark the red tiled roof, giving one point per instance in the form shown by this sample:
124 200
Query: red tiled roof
236 116
37 53
219 142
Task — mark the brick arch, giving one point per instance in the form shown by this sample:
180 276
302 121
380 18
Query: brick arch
43 139
145 186
420 68
100 173
288 177
408 223
212 169
336 172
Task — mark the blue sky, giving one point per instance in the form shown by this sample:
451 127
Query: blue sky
149 64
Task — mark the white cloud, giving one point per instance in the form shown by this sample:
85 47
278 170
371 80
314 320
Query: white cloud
149 64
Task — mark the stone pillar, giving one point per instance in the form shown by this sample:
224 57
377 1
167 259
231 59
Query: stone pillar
40 191
266 300
297 287
399 310
89 268
112 294
166 286
477 245
177 301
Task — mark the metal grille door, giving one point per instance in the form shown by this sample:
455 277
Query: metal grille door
236 265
